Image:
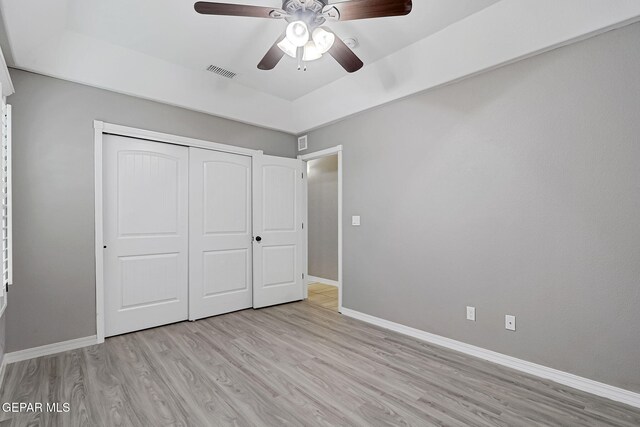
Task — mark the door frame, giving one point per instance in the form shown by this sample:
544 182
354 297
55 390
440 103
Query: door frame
101 128
312 156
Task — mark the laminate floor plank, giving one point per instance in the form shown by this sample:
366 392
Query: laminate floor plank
329 354
190 380
299 364
374 371
117 409
147 390
242 387
548 404
358 362
567 412
31 387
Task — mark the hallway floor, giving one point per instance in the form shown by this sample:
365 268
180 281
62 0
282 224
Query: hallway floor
323 295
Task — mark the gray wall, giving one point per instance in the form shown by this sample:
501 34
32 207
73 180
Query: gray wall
53 298
517 192
323 217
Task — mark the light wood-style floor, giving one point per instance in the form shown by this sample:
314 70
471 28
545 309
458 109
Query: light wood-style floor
297 364
323 295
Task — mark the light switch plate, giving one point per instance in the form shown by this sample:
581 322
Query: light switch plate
471 313
355 220
510 322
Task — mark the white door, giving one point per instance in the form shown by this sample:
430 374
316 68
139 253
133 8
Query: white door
145 234
277 227
219 233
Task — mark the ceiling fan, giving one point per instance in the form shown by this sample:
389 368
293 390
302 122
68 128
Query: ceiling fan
305 38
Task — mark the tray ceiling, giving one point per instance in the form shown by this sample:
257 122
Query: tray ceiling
160 49
172 31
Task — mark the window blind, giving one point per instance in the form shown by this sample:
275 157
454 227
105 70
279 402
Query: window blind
5 203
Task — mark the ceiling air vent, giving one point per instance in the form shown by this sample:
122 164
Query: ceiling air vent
221 71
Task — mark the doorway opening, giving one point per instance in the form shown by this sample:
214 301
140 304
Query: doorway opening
324 228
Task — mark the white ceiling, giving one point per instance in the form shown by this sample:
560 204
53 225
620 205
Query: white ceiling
171 30
158 49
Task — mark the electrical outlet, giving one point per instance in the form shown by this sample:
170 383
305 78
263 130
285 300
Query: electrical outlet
355 220
510 322
471 313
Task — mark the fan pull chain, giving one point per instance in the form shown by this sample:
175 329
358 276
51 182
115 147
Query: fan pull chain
299 56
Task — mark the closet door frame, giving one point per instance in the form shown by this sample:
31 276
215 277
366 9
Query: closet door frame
101 128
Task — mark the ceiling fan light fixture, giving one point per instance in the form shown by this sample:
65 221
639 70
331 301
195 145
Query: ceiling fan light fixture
323 39
287 47
298 33
303 18
311 52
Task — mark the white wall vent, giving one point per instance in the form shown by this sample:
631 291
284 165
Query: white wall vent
302 143
221 71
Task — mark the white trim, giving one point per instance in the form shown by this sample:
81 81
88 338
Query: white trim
314 279
317 155
99 241
172 139
6 173
340 282
101 128
571 380
10 193
305 229
322 153
45 350
6 85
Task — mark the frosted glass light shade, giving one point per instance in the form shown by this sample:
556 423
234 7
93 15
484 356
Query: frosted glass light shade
323 39
298 33
311 52
287 47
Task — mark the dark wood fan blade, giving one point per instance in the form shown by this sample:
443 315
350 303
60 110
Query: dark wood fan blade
273 56
365 9
209 8
345 56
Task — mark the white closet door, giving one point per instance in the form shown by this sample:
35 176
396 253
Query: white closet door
219 233
145 234
277 224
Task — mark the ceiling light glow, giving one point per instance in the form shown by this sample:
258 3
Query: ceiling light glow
298 33
311 52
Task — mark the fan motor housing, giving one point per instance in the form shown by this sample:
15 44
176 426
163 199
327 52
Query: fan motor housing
308 11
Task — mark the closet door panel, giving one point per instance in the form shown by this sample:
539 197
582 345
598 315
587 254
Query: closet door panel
277 223
219 233
145 234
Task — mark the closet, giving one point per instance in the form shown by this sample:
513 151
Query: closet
191 232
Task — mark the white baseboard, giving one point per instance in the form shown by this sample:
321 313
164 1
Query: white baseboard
571 380
45 350
314 279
